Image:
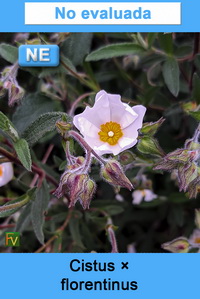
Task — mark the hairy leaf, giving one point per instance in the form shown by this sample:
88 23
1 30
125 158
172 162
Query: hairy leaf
114 50
44 124
38 209
9 53
23 152
171 75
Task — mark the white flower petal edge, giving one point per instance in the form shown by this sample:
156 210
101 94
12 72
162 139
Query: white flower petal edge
6 173
109 108
139 195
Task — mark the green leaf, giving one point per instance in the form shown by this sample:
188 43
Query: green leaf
113 210
171 75
44 124
23 152
149 145
166 42
9 53
66 64
74 227
76 47
7 127
151 38
195 114
31 108
114 50
196 88
14 205
24 218
38 209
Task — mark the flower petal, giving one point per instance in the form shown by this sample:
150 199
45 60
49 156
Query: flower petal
137 197
149 195
7 173
140 110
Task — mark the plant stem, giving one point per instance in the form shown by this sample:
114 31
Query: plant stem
59 230
112 238
77 101
35 168
86 146
197 134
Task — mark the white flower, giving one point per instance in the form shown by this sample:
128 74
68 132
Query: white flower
6 173
194 239
139 195
119 197
110 126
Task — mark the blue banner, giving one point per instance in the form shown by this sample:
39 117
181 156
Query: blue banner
101 275
97 16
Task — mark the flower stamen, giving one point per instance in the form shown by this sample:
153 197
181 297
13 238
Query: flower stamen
110 132
1 170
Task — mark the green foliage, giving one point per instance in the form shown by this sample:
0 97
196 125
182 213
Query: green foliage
14 205
114 50
9 53
42 125
171 75
23 152
38 208
76 47
7 127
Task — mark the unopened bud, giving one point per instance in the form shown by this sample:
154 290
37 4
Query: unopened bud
126 157
2 90
191 145
87 194
189 106
113 174
71 185
186 174
182 155
197 218
80 160
179 245
152 127
194 186
76 187
63 127
149 145
16 93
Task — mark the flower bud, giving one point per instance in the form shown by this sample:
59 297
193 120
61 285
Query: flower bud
2 90
63 127
71 185
186 174
191 145
16 93
194 187
113 174
182 156
152 127
149 145
80 160
76 187
197 218
179 245
87 194
126 157
62 188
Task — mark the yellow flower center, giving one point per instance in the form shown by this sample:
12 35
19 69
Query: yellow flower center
197 240
1 170
110 132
